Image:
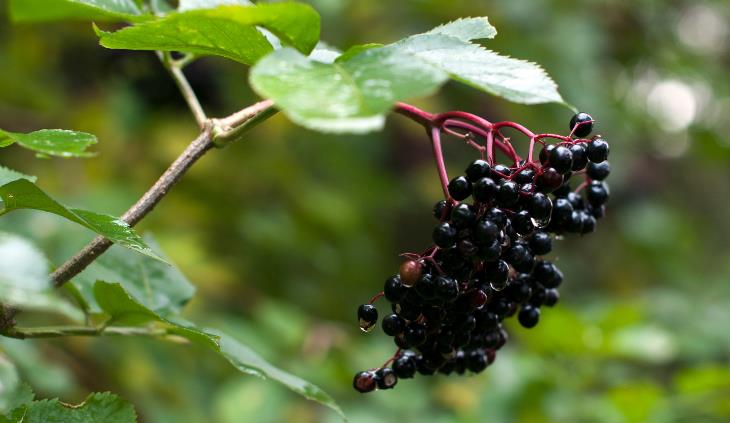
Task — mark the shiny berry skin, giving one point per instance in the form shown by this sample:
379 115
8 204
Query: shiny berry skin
507 195
540 206
426 287
598 171
574 224
410 271
497 216
496 273
563 190
580 156
540 243
525 176
440 210
549 180
485 189
393 325
463 216
476 361
367 316
490 252
415 334
386 378
529 316
552 296
519 291
545 154
499 170
561 159
597 150
597 193
584 123
588 223
447 289
521 258
364 382
460 188
547 274
522 223
562 210
486 232
445 235
404 366
478 169
394 290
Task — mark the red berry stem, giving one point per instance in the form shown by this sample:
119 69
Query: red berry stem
438 154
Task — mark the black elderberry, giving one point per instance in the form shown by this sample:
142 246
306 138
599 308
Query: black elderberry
426 287
561 159
422 368
580 157
485 189
460 188
445 235
496 274
525 176
548 180
507 195
393 325
476 361
404 366
386 378
529 316
574 223
540 206
497 216
463 216
447 289
545 154
490 252
415 334
540 243
575 200
501 171
597 150
562 191
367 316
562 209
597 193
581 124
522 223
539 295
525 191
588 223
365 382
520 257
547 274
598 171
552 296
478 169
440 210
467 248
486 232
394 290
598 212
519 291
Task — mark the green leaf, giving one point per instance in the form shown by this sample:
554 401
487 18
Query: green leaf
159 287
24 280
9 175
98 407
352 96
209 4
53 142
227 31
50 10
354 93
23 194
124 309
466 29
13 393
355 50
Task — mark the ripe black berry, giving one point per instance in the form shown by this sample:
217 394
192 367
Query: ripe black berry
522 223
552 296
440 210
501 171
561 159
507 194
365 382
580 157
476 361
549 180
486 232
415 334
597 193
497 216
478 169
562 209
404 366
540 206
460 188
529 316
485 189
598 171
547 274
597 150
445 235
525 176
394 290
463 216
584 123
541 243
386 378
367 316
393 325
447 289
545 154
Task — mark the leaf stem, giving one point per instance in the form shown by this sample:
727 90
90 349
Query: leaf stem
61 331
175 69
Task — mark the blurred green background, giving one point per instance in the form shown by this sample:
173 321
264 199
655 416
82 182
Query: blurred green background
284 234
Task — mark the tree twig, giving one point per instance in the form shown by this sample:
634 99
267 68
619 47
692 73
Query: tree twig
175 70
61 331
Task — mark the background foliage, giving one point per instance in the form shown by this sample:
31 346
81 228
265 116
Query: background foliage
287 232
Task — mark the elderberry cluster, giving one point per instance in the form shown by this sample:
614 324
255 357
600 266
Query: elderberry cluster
487 262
